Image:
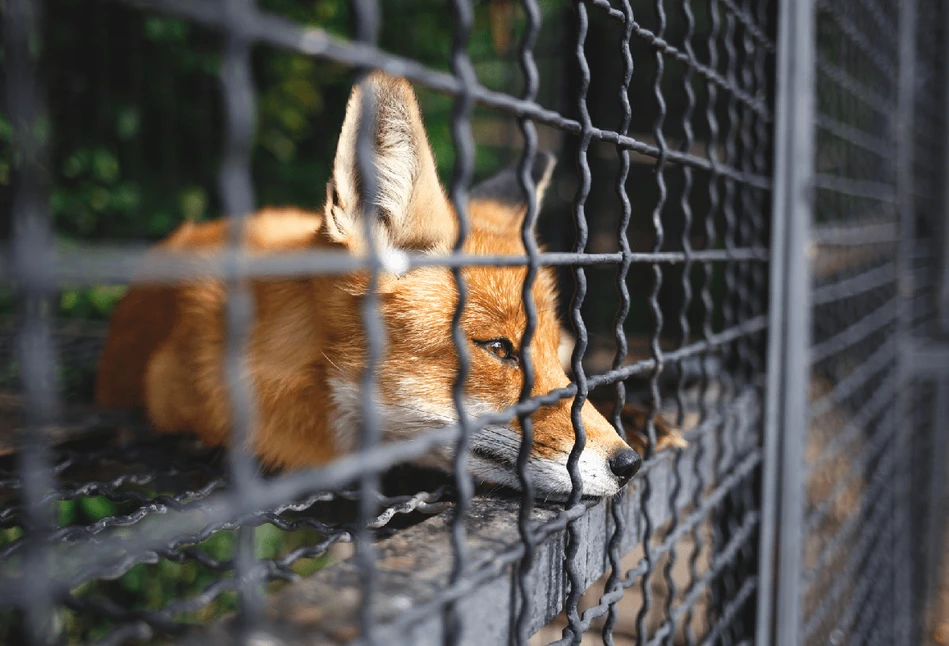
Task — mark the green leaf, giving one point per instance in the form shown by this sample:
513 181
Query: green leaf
105 165
99 199
97 508
127 122
105 297
66 512
194 203
68 299
126 197
76 163
165 29
134 578
160 223
267 541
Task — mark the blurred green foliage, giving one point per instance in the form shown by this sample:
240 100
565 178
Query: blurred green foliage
136 113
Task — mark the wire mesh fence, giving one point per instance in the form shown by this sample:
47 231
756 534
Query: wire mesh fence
744 223
851 574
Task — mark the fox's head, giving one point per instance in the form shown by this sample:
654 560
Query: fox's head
420 363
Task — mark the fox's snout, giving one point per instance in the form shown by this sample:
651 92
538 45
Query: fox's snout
607 463
625 464
605 466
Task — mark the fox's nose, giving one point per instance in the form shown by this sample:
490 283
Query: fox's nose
625 463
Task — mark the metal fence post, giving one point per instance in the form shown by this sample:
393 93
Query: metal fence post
32 236
943 294
789 320
902 584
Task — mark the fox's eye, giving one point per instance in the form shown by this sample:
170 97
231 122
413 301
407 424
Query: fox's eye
501 348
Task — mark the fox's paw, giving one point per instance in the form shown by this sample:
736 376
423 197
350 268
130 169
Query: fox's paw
635 418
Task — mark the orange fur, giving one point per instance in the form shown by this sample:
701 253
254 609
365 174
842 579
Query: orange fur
306 347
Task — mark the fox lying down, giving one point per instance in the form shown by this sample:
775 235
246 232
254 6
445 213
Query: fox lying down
306 349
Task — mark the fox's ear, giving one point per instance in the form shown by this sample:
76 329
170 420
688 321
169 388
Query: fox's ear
503 192
410 208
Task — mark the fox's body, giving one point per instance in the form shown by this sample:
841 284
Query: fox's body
307 346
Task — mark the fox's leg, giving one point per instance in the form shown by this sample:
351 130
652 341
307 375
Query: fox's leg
634 418
293 429
178 400
290 422
184 380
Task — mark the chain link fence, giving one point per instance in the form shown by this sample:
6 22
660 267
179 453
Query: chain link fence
747 225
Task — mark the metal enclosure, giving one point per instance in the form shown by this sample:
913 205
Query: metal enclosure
760 187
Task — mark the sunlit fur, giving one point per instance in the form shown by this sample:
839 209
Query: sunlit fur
306 348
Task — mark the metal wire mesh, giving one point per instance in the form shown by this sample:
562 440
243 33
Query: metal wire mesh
866 418
672 117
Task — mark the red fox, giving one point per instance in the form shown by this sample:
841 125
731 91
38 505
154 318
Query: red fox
306 348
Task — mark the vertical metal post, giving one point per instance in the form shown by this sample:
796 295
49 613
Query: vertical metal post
943 295
940 423
573 631
30 262
237 195
619 323
532 13
368 20
790 325
460 185
902 572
